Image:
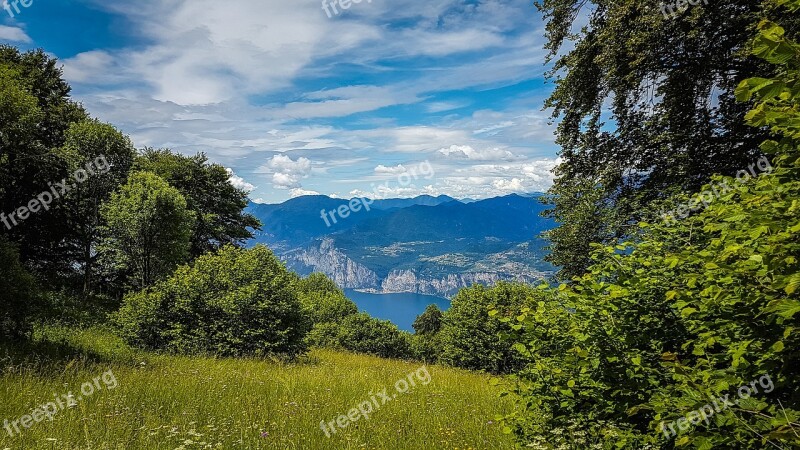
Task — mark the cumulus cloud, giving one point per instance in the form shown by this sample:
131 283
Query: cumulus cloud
512 185
394 170
241 83
298 192
239 182
14 34
467 152
287 172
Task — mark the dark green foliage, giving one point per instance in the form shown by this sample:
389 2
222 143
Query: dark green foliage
17 294
110 155
36 114
147 230
217 205
471 339
689 311
338 324
430 321
325 302
647 109
362 333
427 347
235 302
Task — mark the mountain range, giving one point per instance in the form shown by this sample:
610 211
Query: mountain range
426 245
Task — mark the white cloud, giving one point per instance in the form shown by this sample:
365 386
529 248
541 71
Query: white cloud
14 34
301 192
239 182
512 185
395 170
467 152
283 163
286 172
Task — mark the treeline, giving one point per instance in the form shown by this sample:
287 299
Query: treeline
677 331
86 217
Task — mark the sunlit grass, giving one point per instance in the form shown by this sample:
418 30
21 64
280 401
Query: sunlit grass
165 402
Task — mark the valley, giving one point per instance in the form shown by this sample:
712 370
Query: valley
425 245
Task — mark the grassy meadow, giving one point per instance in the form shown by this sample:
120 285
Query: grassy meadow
167 402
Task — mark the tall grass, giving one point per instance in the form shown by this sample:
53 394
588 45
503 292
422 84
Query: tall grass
168 402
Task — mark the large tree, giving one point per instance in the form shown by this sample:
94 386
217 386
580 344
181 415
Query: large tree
148 229
36 112
646 108
104 156
217 205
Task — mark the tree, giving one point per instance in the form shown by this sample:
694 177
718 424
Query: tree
323 299
232 303
470 338
37 112
148 229
704 309
362 333
430 321
217 205
17 294
103 157
646 107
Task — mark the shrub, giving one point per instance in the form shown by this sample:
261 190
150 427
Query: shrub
430 321
17 294
362 333
234 302
324 300
471 339
693 310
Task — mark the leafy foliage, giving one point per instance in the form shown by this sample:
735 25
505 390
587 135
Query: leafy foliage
148 228
110 155
470 337
646 106
235 302
17 294
216 204
688 312
362 333
430 321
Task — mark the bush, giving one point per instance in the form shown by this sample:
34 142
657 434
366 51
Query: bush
691 311
324 300
471 339
362 333
427 347
17 294
235 302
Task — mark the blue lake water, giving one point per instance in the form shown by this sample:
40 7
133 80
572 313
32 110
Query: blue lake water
402 309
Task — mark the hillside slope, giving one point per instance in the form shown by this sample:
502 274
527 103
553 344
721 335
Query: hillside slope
162 402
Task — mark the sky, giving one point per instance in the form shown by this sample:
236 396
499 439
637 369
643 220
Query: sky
382 99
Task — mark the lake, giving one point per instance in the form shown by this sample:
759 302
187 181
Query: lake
402 309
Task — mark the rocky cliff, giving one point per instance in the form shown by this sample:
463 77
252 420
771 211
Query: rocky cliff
408 281
345 272
349 274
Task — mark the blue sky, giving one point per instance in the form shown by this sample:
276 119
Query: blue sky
296 102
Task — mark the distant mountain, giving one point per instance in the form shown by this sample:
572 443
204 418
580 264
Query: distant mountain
422 200
431 245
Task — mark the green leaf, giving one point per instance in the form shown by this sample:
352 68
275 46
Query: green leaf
792 284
